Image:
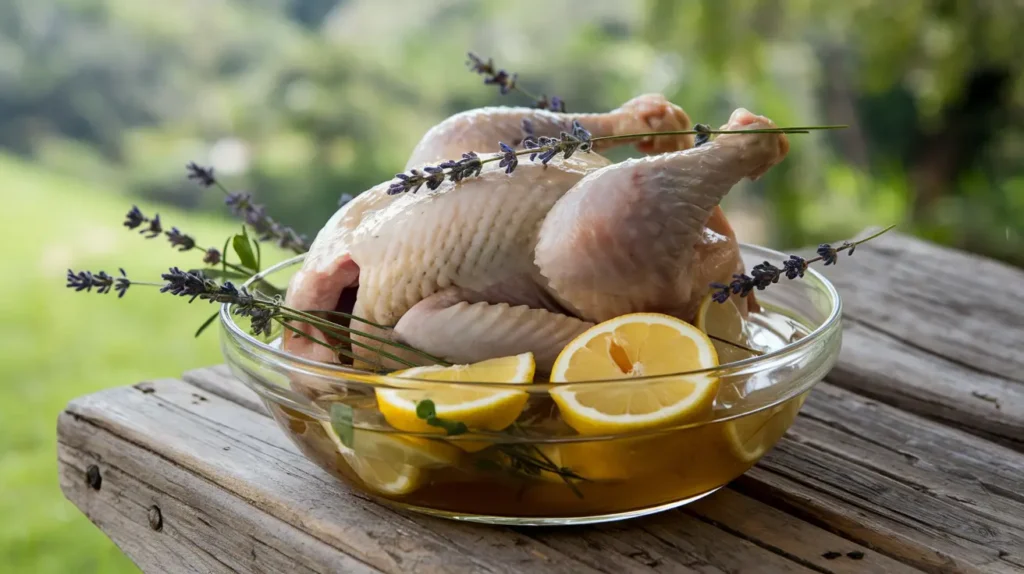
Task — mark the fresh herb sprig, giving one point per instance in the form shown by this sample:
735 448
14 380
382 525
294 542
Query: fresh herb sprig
544 149
253 214
507 82
765 274
134 219
263 311
521 458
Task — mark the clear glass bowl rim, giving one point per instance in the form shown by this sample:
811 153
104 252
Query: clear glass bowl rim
349 374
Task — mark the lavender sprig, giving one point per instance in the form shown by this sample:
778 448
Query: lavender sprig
103 283
764 274
506 83
253 214
543 149
134 219
261 309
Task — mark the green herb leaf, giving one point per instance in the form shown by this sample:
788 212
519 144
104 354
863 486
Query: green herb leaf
450 427
206 324
427 411
259 255
243 248
341 422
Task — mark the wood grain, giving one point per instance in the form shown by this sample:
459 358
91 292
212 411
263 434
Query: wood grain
791 536
935 331
935 497
202 527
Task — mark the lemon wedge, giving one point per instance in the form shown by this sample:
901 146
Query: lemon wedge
480 409
636 345
392 464
723 321
750 437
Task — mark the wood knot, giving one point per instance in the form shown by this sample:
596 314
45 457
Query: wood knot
156 519
93 477
145 388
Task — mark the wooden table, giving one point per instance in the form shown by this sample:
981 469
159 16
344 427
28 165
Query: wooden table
910 458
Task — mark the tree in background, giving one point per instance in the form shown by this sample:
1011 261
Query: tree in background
933 91
301 101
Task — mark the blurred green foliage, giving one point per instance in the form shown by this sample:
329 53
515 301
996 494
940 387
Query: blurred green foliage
301 101
57 345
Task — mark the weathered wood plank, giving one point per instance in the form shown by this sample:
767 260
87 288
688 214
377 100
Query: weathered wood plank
243 453
788 535
201 528
935 331
219 381
933 496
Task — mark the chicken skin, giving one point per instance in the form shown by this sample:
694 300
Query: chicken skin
501 264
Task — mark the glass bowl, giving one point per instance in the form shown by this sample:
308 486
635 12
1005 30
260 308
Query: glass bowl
539 470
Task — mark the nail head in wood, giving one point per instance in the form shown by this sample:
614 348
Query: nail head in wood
93 478
156 519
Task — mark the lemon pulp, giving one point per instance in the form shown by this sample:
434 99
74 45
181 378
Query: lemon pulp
627 347
481 409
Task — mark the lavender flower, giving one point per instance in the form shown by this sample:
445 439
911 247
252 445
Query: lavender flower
468 166
703 134
134 218
180 240
434 176
555 103
194 284
765 274
255 215
794 266
202 175
492 76
829 254
154 229
506 83
212 256
187 284
86 281
528 131
509 161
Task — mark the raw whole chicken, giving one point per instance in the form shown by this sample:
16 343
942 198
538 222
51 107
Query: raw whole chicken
501 264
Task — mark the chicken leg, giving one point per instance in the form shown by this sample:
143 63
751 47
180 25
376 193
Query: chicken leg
632 236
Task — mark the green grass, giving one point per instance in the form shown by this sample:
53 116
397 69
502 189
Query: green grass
56 345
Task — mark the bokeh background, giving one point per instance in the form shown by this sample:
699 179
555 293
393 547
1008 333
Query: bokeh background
102 102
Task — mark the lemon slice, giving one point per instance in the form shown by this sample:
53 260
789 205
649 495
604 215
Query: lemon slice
723 321
391 464
480 409
750 437
641 344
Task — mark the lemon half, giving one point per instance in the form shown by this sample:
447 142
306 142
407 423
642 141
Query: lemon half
630 346
750 437
481 409
723 321
392 464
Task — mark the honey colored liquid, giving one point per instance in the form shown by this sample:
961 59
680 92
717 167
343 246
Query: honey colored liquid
620 475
